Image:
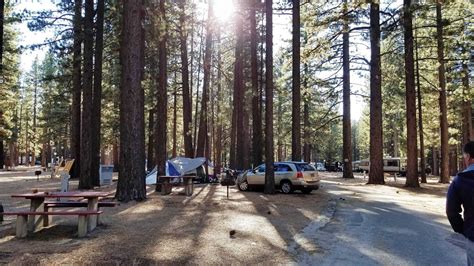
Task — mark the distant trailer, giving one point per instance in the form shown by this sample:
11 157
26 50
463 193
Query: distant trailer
390 165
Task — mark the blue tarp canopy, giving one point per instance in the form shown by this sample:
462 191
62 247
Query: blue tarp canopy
178 166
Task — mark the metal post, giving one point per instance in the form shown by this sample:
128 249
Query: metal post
227 192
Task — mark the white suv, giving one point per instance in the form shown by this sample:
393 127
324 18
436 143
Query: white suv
289 176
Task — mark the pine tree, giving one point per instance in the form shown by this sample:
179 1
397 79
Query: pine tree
131 182
269 171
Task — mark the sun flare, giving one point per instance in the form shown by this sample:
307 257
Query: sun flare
224 9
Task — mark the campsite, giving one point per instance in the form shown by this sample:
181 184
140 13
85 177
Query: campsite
275 132
175 229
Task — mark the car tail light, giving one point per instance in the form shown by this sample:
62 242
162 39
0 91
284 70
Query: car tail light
299 175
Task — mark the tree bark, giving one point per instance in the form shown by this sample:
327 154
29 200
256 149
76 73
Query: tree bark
85 179
238 103
115 155
412 161
97 94
187 108
196 109
420 117
219 130
306 123
151 140
376 175
256 114
467 106
2 153
175 119
203 120
296 102
75 140
269 172
131 182
346 95
2 17
443 116
162 95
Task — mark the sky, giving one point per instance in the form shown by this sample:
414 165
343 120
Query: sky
223 10
27 37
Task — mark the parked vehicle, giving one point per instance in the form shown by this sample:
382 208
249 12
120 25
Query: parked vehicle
320 167
356 166
391 165
289 176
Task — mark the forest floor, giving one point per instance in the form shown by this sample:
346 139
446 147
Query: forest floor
330 226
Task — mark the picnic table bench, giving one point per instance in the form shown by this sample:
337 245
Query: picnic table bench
39 210
167 185
22 220
73 204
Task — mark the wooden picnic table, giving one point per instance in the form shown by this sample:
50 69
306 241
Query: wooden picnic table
166 184
37 205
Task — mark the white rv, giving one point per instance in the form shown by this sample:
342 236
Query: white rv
390 165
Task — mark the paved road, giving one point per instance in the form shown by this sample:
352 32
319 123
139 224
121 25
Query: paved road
388 227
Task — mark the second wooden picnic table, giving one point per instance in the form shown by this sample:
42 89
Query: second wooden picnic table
37 205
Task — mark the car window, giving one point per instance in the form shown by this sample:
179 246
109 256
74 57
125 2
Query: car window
301 167
261 169
392 163
282 168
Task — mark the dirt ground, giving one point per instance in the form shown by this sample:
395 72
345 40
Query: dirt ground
176 229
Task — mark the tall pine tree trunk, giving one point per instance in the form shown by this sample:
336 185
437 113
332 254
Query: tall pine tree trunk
296 102
162 96
97 95
346 95
187 108
420 116
175 119
256 114
2 18
76 90
238 104
376 138
196 109
85 179
412 161
306 123
219 130
203 120
151 140
131 182
466 106
269 172
443 116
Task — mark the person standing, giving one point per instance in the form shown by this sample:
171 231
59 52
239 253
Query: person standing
461 194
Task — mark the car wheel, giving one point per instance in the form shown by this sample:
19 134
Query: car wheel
244 186
306 190
286 187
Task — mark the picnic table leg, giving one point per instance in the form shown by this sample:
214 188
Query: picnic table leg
35 221
82 225
188 186
166 186
92 205
47 218
21 226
